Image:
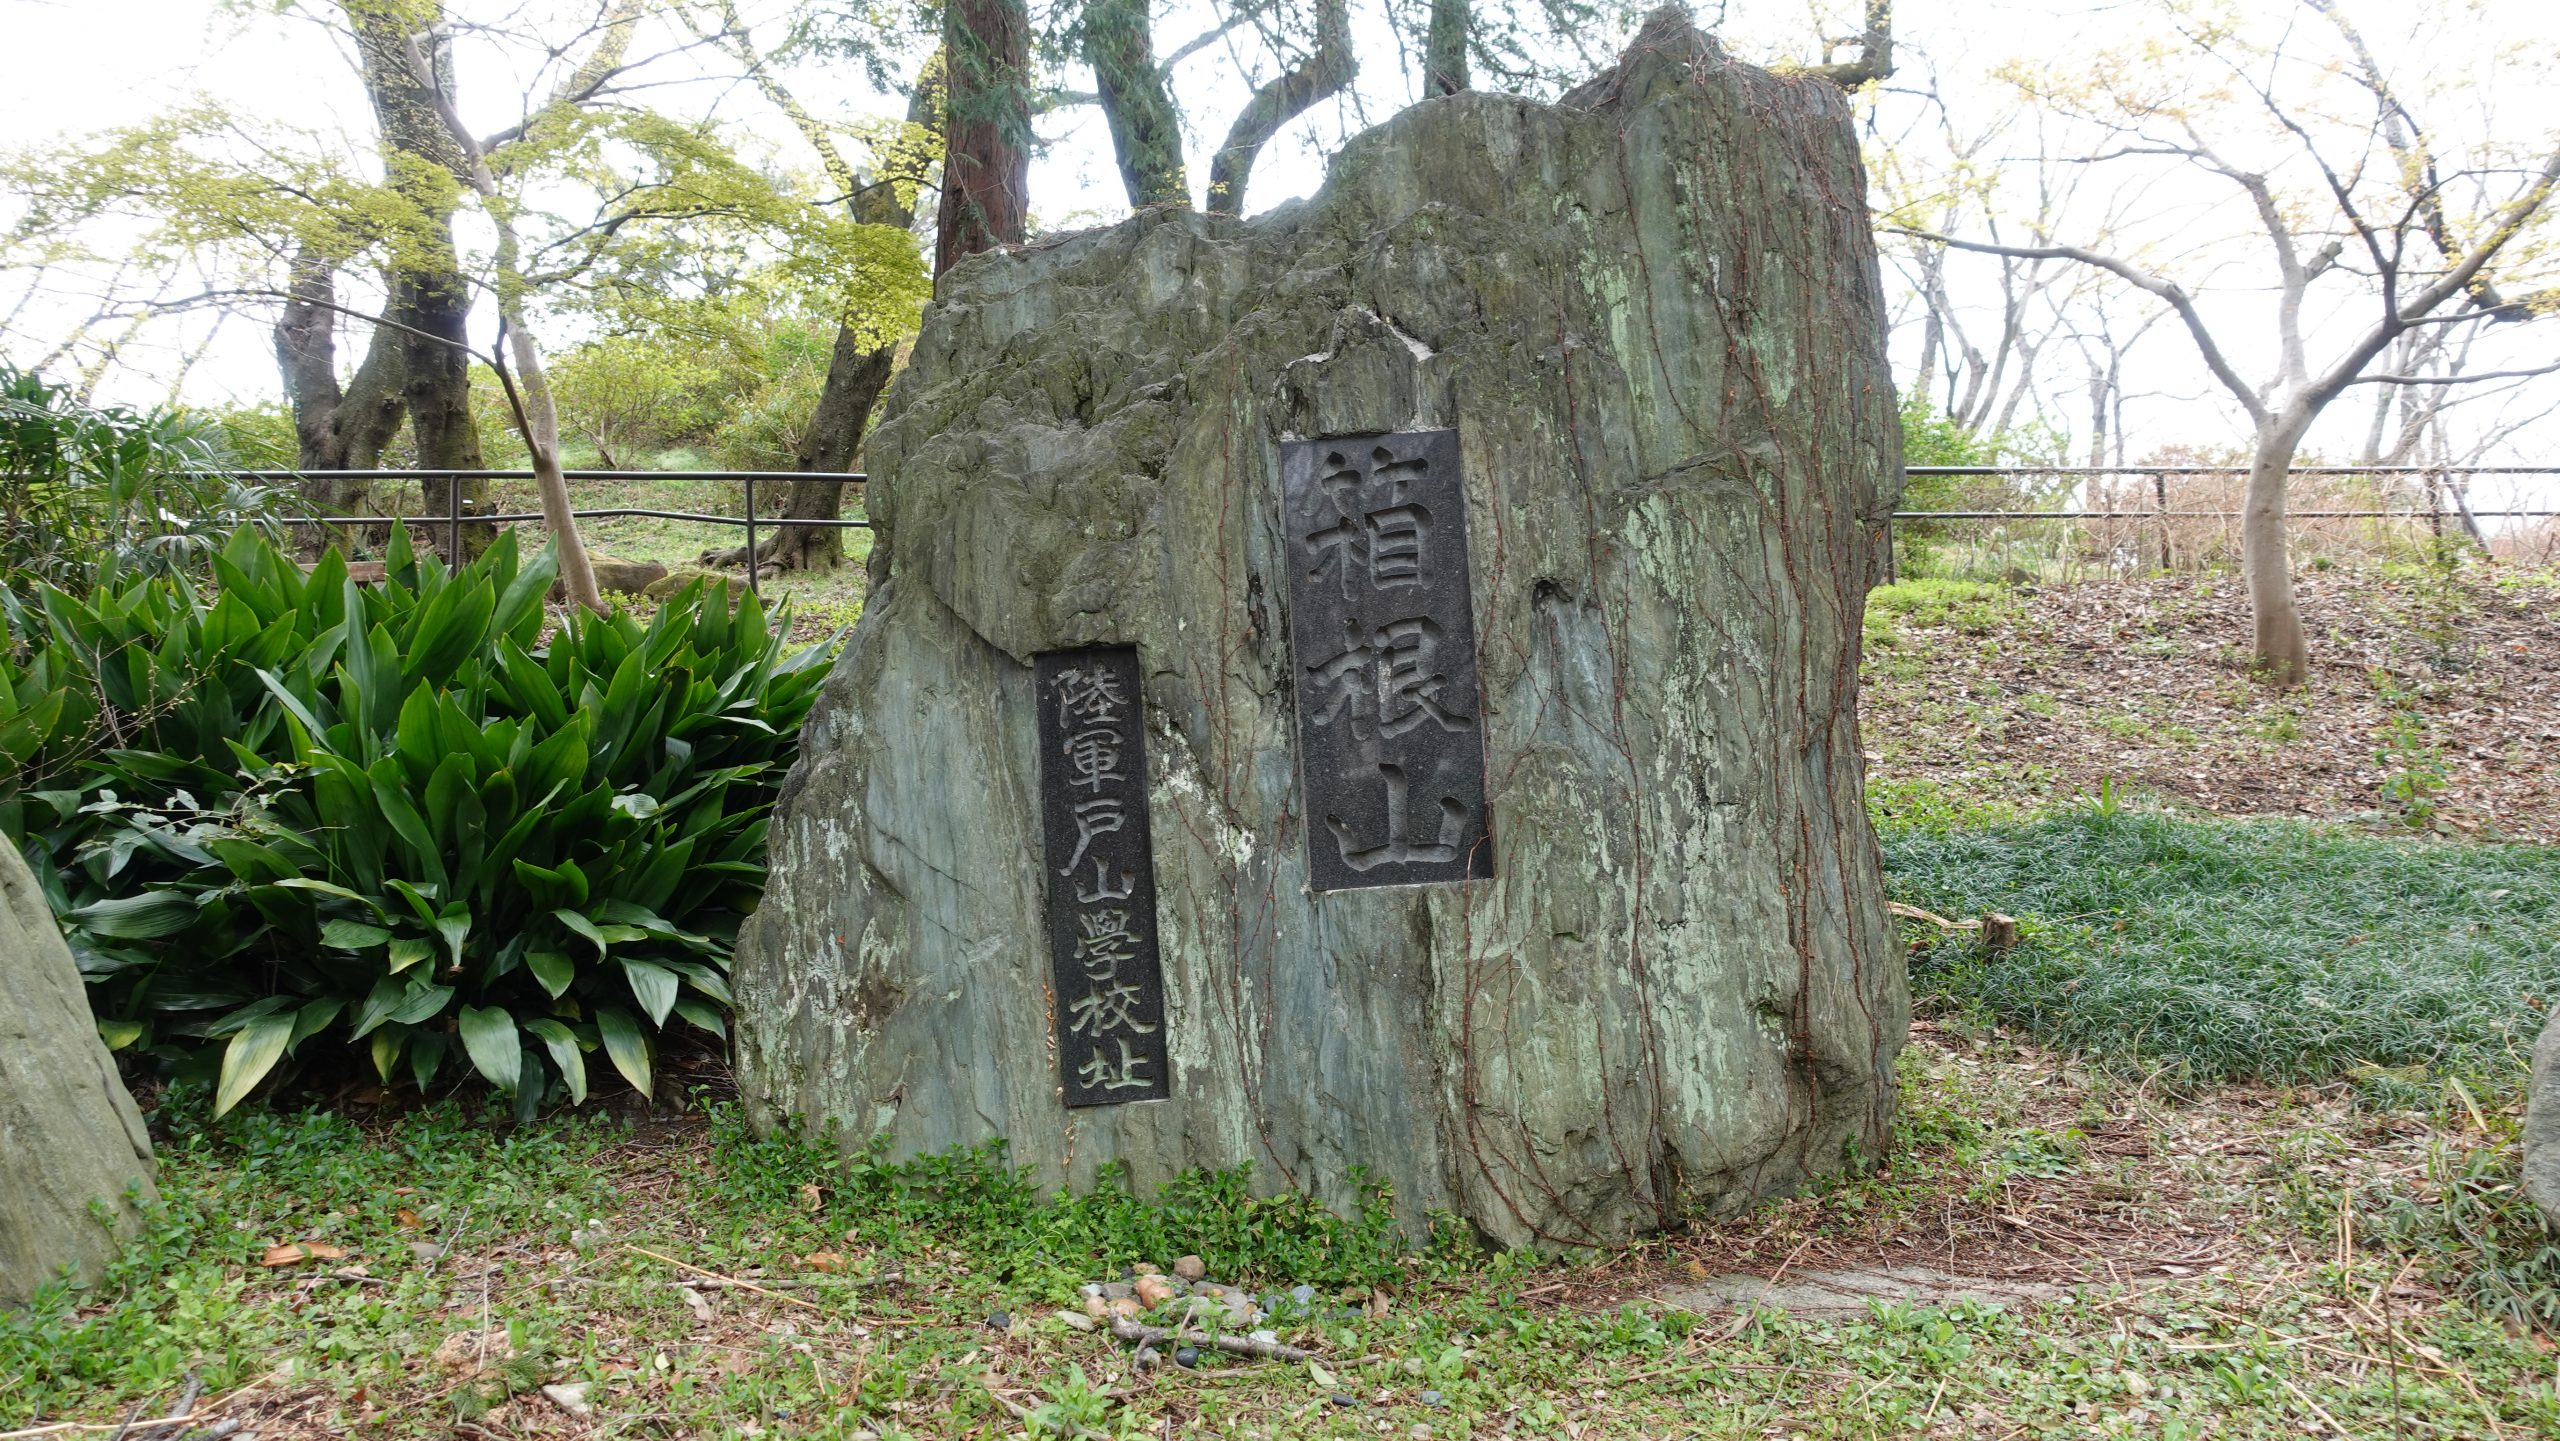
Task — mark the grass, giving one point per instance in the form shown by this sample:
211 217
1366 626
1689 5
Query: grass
923 1300
2224 949
1968 607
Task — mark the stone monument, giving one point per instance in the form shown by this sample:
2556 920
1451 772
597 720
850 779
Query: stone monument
1369 690
70 1137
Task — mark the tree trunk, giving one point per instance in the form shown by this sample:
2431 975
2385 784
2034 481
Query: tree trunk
1444 49
986 163
335 428
1325 71
855 378
537 418
430 300
1146 136
1678 988
2282 654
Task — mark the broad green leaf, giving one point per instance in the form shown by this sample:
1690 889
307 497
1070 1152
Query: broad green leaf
489 1035
352 935
407 951
584 927
654 986
424 1003
147 916
554 970
326 888
386 1050
376 1008
562 1043
451 624
455 926
426 1056
706 979
390 793
636 804
230 1025
626 1045
245 1062
701 1013
313 1018
292 704
119 1034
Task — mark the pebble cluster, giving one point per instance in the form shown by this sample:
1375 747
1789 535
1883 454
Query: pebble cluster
1148 1293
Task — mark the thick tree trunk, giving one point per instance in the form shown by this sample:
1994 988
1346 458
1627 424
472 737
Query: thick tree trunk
1444 49
437 389
430 300
335 427
1652 315
2282 654
986 162
1146 135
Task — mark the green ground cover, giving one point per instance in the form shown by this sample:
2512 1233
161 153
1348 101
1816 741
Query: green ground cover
2226 949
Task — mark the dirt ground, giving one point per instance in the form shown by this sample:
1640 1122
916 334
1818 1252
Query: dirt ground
2450 685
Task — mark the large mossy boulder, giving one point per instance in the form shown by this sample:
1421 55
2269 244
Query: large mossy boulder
1652 314
70 1137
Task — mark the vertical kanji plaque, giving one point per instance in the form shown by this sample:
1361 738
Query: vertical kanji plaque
1101 871
1390 713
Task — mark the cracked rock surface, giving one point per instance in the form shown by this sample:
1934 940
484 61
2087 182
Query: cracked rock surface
1651 311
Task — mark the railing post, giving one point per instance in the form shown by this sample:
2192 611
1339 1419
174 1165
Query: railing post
453 521
751 537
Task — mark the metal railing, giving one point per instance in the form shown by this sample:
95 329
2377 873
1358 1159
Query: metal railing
2163 512
456 514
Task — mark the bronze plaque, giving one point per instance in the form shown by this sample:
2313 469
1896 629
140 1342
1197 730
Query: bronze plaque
1101 873
1382 623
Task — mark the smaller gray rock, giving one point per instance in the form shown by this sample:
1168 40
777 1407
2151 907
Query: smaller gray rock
668 584
70 1137
2542 1124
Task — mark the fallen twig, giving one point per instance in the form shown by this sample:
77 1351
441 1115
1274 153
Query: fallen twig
725 1280
1128 1330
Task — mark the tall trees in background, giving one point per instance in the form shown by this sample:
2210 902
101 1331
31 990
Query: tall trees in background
903 161
986 129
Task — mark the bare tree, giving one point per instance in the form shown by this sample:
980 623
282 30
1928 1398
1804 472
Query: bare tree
2385 229
538 419
1322 71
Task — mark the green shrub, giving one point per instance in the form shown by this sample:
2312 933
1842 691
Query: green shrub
2225 949
389 815
89 494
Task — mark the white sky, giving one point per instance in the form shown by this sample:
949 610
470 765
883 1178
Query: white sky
76 66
